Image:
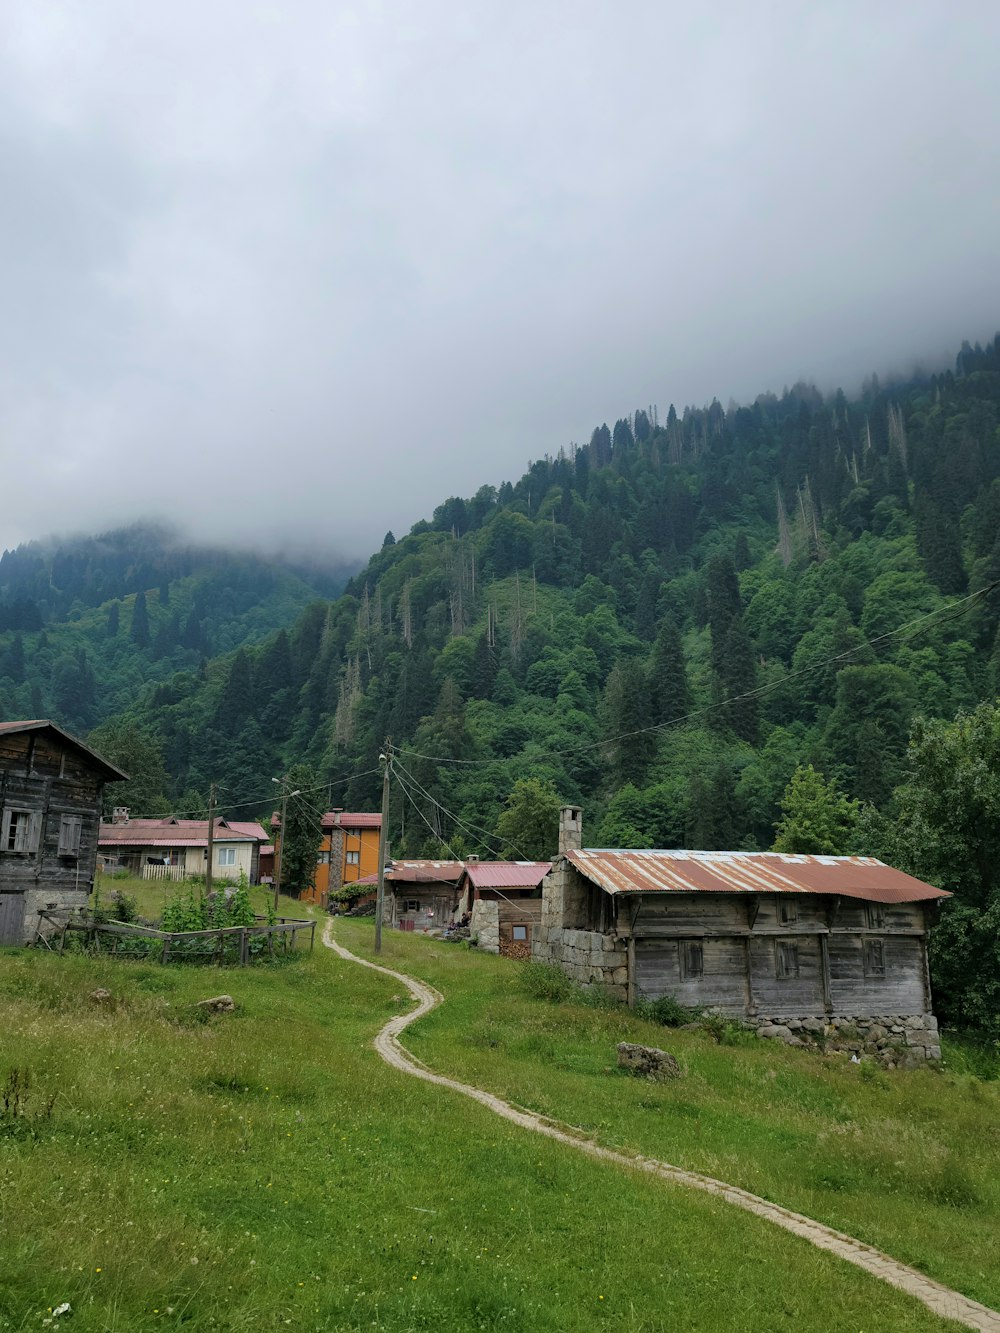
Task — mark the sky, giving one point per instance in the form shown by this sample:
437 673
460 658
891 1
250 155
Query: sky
292 274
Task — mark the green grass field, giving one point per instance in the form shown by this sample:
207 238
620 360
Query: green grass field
266 1170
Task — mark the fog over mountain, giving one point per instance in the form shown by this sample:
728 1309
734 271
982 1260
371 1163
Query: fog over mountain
293 275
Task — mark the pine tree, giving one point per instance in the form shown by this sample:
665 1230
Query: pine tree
669 694
816 817
300 838
140 622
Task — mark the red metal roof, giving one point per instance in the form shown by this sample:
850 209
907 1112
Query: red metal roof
507 874
175 833
113 773
750 872
425 872
251 829
341 818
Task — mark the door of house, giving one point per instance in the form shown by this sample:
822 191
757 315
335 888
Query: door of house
12 918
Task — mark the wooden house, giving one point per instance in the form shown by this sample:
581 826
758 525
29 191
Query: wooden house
422 895
504 902
175 849
780 941
51 786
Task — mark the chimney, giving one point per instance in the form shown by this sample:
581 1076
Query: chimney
120 814
570 829
472 860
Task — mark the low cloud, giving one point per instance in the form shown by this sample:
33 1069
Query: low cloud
294 277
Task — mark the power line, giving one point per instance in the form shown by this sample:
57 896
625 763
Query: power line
954 610
267 797
434 833
471 829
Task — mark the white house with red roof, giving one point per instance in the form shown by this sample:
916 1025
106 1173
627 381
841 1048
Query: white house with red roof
172 848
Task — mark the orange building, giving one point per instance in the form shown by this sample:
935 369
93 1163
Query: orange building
348 851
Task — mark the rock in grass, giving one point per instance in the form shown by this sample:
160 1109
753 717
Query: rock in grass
647 1061
218 1004
101 996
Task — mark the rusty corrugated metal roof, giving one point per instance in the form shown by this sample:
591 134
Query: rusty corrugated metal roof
620 871
507 874
425 872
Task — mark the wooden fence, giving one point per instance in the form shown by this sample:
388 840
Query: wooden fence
284 932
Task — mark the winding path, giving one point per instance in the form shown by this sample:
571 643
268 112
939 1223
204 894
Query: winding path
942 1300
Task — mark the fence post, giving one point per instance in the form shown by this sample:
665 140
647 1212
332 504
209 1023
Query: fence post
244 951
166 948
312 936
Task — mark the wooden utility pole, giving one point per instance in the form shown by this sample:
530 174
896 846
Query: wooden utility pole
281 842
383 842
211 839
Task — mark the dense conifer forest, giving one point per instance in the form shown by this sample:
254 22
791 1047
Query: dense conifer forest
661 624
710 630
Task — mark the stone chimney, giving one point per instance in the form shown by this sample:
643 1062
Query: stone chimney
570 829
120 814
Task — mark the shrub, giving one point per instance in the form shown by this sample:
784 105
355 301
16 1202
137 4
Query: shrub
123 907
669 1012
545 981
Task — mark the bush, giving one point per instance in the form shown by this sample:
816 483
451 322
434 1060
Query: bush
668 1011
545 981
123 907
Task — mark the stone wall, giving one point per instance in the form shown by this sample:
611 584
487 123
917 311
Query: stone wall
586 956
484 926
35 899
892 1039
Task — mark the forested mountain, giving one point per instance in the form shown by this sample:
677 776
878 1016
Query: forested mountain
661 624
86 623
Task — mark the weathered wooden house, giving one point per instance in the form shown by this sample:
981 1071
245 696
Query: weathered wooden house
422 895
504 902
50 811
784 942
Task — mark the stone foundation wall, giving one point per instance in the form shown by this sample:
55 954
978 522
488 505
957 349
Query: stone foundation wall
892 1039
586 956
484 927
51 898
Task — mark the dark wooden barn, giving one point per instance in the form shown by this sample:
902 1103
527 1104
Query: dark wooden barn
787 943
50 812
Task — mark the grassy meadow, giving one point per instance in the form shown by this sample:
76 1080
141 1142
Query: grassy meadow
266 1170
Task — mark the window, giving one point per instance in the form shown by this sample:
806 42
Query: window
692 959
788 911
323 859
786 960
874 956
519 933
19 831
70 829
227 856
411 905
875 916
353 858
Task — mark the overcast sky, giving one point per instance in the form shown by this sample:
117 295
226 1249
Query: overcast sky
299 271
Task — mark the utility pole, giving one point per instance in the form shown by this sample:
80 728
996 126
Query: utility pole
211 839
285 793
385 758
